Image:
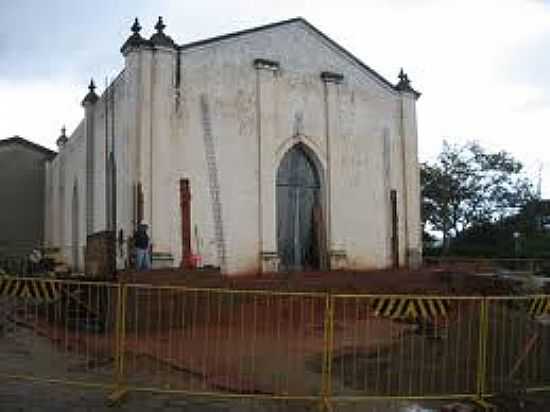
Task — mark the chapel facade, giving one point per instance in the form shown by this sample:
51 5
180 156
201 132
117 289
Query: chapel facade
270 149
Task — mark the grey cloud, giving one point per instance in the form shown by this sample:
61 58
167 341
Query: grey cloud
529 65
60 38
532 105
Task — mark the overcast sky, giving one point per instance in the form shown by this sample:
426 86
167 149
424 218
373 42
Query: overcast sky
483 66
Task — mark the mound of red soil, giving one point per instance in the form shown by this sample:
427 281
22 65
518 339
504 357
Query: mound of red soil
426 281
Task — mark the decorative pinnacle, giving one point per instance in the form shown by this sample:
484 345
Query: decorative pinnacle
160 26
136 27
404 84
403 77
63 139
91 97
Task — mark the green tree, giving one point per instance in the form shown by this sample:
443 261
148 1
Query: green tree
496 239
468 186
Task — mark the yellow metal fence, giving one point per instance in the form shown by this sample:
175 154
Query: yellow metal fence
59 330
282 345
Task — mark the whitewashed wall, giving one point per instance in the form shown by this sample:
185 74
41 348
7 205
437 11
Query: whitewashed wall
255 117
360 109
69 167
65 172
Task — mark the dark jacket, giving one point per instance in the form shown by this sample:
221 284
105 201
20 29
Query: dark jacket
141 240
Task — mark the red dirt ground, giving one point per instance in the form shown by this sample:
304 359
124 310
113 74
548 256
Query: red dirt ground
253 348
200 340
426 281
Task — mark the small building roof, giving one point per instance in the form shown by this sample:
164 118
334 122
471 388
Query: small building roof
18 140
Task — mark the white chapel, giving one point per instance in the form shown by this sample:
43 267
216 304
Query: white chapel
269 149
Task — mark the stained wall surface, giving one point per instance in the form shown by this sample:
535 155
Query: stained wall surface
207 113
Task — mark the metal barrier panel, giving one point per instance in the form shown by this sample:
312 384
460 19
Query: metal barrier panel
213 341
518 344
56 330
269 344
404 346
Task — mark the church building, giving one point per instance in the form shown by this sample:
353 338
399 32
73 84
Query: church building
266 150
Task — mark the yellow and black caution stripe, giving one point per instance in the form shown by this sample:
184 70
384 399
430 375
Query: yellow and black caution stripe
539 306
38 290
411 308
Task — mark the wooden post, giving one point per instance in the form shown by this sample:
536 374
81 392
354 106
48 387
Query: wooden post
394 229
139 204
185 208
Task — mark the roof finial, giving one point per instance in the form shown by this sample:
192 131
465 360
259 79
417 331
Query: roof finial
135 40
403 78
91 97
160 26
160 38
63 139
136 27
404 84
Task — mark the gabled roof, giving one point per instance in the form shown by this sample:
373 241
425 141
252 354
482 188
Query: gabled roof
285 22
28 144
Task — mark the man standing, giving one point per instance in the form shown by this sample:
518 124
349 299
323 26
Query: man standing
141 242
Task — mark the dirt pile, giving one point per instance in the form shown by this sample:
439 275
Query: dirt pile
426 281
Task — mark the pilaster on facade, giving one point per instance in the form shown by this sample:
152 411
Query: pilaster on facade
131 113
266 106
336 247
150 70
138 111
410 171
412 182
89 104
162 186
48 221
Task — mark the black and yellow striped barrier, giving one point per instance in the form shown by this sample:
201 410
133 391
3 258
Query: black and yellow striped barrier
411 308
539 306
39 290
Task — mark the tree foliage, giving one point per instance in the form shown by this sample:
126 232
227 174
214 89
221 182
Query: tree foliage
468 186
497 239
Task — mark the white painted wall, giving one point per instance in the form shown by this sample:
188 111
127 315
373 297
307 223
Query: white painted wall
69 166
63 173
360 109
255 117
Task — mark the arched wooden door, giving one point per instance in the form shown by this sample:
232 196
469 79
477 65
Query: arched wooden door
299 217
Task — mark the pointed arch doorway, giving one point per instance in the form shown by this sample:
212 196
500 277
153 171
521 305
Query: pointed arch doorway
301 240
